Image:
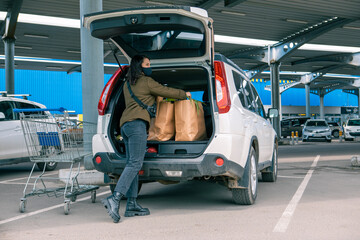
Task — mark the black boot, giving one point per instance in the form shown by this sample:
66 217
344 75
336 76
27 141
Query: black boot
112 204
134 209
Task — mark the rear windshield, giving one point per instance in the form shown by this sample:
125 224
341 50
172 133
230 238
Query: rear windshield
316 124
164 44
354 123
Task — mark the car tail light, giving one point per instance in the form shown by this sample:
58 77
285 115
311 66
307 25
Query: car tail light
222 90
109 87
141 172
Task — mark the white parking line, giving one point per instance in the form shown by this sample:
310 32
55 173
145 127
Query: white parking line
285 219
17 179
46 209
16 183
279 176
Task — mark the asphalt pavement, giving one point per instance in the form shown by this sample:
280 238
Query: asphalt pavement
316 197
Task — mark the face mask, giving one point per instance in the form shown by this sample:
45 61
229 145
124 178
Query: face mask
147 71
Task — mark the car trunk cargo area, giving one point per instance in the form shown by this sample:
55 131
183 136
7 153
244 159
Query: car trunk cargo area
191 79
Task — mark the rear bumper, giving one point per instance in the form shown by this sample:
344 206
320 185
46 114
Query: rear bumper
158 168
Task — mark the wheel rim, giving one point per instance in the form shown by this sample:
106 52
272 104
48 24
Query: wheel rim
253 175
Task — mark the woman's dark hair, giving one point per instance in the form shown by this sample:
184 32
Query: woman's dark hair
135 70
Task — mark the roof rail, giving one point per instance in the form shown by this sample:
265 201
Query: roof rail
5 94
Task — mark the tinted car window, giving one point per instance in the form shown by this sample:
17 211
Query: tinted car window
6 107
316 123
285 123
296 123
22 105
250 101
333 124
238 84
259 105
354 123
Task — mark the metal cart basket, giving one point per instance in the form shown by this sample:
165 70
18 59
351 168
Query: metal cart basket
55 138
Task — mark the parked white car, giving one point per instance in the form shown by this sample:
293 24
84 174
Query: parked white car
179 41
13 147
352 129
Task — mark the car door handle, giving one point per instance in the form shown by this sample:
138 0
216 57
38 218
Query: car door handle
18 129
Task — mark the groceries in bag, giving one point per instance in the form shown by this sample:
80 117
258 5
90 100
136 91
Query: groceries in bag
189 121
162 127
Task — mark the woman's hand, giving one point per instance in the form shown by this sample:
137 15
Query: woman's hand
188 94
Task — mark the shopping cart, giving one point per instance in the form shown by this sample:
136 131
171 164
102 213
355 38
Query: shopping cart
55 138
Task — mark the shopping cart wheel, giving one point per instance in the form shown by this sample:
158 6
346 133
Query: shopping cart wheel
22 206
67 207
73 198
93 196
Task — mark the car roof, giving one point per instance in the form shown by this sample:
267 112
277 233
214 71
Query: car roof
21 100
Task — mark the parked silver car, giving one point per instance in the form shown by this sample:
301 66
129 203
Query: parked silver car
316 129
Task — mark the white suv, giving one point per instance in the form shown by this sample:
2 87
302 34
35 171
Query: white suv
12 142
179 41
352 129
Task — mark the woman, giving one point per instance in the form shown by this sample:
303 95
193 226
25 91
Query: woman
134 124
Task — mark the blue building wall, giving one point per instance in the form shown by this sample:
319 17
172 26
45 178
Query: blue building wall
59 89
53 89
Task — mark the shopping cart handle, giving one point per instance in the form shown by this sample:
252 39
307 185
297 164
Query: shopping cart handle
17 110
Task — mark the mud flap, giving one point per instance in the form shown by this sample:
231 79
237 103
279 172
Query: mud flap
242 183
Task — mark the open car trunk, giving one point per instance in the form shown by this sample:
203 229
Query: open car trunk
192 79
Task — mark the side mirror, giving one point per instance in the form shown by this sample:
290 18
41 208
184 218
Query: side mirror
273 113
2 116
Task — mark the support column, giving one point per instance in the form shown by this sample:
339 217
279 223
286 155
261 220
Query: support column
275 95
9 64
307 99
280 107
322 114
92 68
358 102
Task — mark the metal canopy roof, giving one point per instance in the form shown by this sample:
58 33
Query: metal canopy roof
258 19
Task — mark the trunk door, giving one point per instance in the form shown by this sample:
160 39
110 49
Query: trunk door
168 34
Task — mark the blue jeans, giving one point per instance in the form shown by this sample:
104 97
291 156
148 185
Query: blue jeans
135 138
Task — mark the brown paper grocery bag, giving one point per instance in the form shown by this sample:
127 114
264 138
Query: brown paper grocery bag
189 121
162 128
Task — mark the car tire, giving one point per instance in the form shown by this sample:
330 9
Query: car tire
50 166
304 140
248 195
336 134
329 141
271 175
